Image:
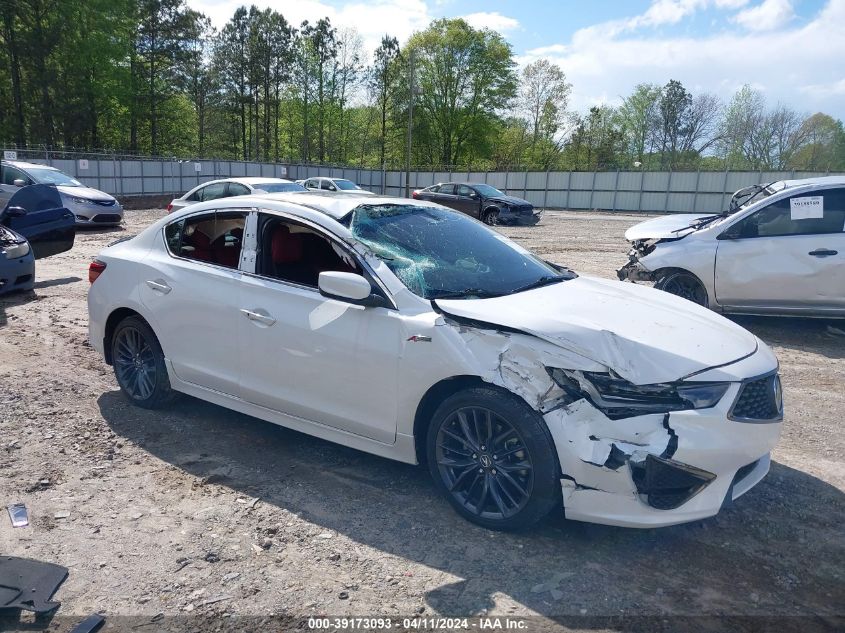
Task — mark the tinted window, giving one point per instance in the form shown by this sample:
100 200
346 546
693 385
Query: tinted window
213 191
297 253
447 189
464 191
487 190
196 196
313 183
796 215
11 174
279 186
437 252
327 184
237 189
346 185
211 237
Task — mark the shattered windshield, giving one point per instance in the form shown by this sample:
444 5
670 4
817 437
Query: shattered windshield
438 253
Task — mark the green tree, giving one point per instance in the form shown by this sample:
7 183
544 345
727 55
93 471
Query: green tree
466 81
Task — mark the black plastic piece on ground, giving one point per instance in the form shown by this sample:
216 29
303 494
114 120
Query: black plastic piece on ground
29 584
90 624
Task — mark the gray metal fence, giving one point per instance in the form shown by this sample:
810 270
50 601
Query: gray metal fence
672 192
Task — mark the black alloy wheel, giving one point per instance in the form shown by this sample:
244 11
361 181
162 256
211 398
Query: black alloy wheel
139 364
493 458
685 285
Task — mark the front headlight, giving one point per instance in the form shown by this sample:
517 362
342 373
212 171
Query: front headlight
16 251
80 200
618 398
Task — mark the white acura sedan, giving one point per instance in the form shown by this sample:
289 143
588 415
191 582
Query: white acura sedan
414 332
778 249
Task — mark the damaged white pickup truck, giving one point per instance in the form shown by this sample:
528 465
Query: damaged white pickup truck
414 332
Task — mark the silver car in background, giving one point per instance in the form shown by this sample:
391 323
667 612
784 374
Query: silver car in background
335 185
91 207
778 249
229 187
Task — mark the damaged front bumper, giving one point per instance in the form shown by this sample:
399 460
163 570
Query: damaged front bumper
657 469
634 271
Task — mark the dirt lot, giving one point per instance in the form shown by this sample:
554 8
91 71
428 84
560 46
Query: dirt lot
201 511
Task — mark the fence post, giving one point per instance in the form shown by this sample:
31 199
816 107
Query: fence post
724 187
695 195
525 185
640 197
546 191
615 190
668 189
592 190
568 188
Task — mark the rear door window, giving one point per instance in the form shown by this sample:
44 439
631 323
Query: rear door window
214 191
237 189
447 189
214 238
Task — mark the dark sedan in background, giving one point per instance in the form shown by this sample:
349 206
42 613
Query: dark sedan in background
481 201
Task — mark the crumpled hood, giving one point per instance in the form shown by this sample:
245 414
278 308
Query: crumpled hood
644 335
662 227
84 192
509 200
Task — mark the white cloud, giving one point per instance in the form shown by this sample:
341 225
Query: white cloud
766 16
604 63
372 19
495 21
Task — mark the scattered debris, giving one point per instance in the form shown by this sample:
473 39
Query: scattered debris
29 584
214 599
231 576
18 514
61 514
211 557
90 624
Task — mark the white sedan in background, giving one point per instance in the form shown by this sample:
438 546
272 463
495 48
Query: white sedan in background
414 332
334 185
779 249
229 187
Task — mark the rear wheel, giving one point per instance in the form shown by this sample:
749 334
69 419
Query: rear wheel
493 459
491 217
139 364
683 284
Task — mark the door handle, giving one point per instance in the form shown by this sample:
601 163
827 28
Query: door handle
264 319
823 252
159 286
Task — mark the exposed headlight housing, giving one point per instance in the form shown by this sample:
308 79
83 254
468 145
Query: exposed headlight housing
16 251
618 398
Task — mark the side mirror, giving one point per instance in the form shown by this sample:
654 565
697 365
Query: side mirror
19 182
332 188
348 287
15 212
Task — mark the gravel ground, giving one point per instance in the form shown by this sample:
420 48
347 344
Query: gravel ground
198 510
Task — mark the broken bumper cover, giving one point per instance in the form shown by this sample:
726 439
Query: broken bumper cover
658 469
634 271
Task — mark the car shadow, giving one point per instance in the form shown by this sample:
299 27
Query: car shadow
93 228
61 281
773 552
817 336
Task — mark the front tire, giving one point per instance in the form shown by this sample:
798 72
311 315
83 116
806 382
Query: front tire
491 217
139 364
685 285
493 458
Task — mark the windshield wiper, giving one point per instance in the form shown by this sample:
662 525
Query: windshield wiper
697 224
466 292
545 280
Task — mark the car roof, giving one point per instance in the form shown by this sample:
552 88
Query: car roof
821 180
24 165
303 203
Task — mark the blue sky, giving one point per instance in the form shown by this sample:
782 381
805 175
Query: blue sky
791 50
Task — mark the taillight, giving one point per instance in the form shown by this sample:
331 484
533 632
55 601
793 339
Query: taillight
95 269
416 195
170 207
